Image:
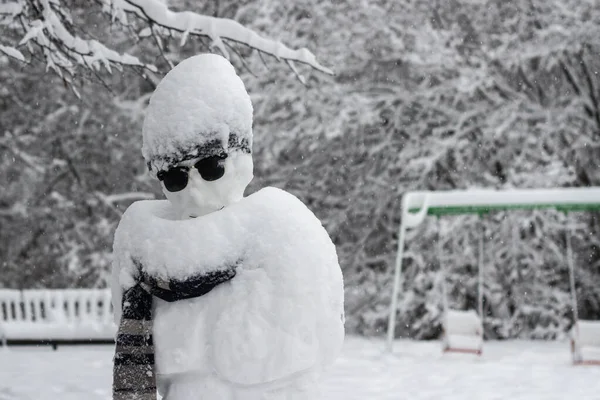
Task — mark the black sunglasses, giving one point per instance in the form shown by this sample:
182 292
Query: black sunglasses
176 179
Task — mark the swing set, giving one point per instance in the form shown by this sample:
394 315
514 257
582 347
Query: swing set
463 330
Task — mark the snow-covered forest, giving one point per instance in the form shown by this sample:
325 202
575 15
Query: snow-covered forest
426 95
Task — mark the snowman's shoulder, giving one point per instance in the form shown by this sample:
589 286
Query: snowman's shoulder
272 196
142 211
140 215
277 207
145 208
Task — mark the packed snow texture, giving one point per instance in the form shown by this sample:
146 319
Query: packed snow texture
588 332
200 100
462 330
515 370
586 337
282 314
462 323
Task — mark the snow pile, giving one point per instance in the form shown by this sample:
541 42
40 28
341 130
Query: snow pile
462 323
588 332
586 340
199 101
463 330
283 311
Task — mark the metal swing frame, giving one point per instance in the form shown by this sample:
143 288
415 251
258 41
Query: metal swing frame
416 206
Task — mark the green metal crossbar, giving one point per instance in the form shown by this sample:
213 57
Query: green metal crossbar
457 210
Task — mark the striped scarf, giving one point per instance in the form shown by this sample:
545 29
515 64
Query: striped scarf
133 373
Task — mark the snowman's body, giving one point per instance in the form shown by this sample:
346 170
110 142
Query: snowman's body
269 332
266 334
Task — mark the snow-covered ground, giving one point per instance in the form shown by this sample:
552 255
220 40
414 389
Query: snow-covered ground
417 370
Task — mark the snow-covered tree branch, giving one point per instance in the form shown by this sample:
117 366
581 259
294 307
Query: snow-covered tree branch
47 32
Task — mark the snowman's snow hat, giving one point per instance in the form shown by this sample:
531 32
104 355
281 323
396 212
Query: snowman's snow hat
199 109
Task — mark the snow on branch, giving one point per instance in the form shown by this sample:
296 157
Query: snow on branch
49 33
12 52
47 29
217 30
92 53
11 9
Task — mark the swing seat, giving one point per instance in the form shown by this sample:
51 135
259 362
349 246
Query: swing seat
585 342
463 332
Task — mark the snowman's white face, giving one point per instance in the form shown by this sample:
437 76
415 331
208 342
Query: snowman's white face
201 196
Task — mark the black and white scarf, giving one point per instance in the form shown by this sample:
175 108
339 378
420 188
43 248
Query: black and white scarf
133 373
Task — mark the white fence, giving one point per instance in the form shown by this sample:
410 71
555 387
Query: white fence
53 316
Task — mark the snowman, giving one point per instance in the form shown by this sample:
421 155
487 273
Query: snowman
219 296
